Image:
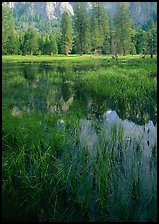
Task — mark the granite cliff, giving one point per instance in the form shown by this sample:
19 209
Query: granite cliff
140 12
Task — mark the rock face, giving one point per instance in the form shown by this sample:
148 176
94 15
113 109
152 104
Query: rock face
140 12
48 10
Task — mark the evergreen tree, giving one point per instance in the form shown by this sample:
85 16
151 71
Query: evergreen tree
5 27
41 44
81 28
53 44
47 49
9 39
132 42
31 42
122 28
154 34
140 42
92 32
112 38
12 44
66 33
152 39
100 27
21 42
97 40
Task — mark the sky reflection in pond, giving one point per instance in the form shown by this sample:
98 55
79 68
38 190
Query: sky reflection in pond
133 149
57 88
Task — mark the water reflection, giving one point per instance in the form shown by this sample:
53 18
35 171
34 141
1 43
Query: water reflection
29 73
133 149
55 87
144 135
66 90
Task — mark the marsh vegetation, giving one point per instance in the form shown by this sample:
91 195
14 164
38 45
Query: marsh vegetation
79 139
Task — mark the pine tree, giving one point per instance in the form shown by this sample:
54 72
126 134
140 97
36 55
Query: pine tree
154 34
5 27
132 42
30 42
9 39
97 40
81 28
100 27
140 42
66 33
122 28
152 39
41 44
112 37
12 44
53 44
21 42
47 49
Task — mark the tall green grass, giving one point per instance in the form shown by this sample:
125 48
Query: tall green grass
48 175
51 177
126 87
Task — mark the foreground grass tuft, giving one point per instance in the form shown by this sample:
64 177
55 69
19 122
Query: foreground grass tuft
49 171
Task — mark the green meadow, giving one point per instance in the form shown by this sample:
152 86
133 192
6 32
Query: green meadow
61 161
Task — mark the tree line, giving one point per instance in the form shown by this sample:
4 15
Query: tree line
86 32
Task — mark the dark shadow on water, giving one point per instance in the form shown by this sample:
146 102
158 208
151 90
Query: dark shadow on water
66 91
41 93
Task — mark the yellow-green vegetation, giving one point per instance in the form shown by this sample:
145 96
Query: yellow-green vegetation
86 57
47 174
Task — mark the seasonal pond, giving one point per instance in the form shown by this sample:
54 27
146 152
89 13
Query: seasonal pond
101 125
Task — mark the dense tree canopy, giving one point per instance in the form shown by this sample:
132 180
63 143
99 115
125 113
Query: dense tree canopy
9 40
100 28
85 32
122 28
152 39
66 33
30 41
81 28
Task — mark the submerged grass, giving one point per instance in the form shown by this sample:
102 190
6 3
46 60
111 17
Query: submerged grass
48 175
126 87
52 178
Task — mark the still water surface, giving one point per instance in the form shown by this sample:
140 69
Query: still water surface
56 89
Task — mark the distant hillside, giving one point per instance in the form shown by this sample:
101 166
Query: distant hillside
140 12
